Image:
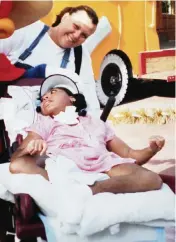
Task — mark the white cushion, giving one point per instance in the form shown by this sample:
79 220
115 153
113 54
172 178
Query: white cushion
21 110
106 209
34 185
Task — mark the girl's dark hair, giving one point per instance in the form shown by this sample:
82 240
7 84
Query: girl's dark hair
80 102
90 12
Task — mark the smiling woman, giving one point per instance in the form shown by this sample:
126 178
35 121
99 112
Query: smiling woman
47 47
73 26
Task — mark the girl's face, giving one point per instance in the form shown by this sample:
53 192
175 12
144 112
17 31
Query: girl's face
55 101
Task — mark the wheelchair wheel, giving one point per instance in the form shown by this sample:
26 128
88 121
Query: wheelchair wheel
113 79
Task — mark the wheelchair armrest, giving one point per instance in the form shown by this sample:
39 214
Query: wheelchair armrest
17 143
25 207
107 108
169 180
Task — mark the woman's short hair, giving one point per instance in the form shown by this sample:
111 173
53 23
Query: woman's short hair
90 12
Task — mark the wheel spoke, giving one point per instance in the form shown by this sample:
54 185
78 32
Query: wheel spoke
111 80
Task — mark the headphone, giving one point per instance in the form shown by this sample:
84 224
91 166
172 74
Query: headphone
79 99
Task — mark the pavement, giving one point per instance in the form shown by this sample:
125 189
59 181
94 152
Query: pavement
150 102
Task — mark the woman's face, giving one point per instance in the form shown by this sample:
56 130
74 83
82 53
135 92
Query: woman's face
74 29
55 101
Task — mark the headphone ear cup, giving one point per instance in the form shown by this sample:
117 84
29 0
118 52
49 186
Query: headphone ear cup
38 109
38 103
82 112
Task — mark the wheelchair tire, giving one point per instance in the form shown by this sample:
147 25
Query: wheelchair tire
113 79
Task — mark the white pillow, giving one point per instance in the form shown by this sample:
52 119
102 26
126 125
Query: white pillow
21 110
6 195
4 180
36 186
106 209
16 91
24 99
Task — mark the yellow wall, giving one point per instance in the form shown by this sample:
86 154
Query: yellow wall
133 28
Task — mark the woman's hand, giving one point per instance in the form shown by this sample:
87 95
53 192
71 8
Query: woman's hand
37 146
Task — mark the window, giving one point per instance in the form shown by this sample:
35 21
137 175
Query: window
168 6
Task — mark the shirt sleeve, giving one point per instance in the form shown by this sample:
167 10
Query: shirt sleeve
20 40
109 133
43 127
89 85
11 44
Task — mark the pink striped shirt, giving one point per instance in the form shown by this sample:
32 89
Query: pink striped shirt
84 143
